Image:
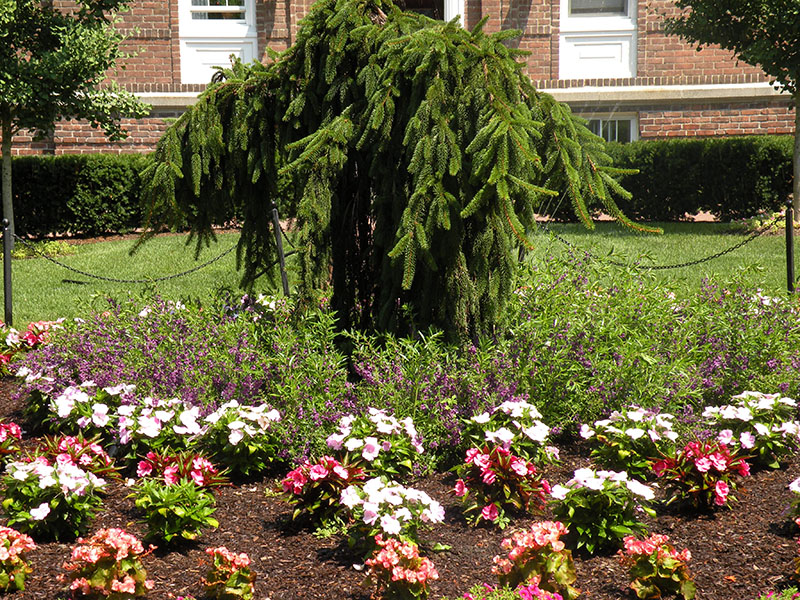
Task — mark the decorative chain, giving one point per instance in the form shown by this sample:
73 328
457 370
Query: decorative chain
116 280
689 263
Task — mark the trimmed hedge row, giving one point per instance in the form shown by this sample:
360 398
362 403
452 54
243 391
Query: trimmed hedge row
732 178
86 193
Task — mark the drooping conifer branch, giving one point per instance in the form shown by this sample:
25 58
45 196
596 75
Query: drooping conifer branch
411 154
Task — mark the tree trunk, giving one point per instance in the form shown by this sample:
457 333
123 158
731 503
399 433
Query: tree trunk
8 198
796 160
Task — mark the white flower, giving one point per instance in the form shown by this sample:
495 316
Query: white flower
353 444
39 513
390 525
371 449
335 441
747 440
634 433
559 492
761 429
481 418
725 436
188 419
235 437
64 405
537 433
403 514
552 452
100 414
502 435
594 483
636 415
434 513
370 512
586 431
273 415
149 426
640 489
795 486
581 475
350 497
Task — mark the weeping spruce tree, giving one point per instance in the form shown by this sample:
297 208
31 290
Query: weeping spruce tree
412 155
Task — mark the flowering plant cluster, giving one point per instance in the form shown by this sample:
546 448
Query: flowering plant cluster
538 556
88 454
10 437
601 507
50 498
390 509
12 342
13 566
761 426
108 566
398 571
515 425
316 488
242 437
174 494
493 479
656 568
702 471
631 440
791 593
377 442
229 577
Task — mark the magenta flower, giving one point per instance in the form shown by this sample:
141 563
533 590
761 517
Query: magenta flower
490 512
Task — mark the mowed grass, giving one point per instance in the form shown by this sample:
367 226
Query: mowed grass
760 263
43 290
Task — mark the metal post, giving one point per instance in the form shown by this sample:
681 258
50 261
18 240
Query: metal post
279 243
790 247
7 246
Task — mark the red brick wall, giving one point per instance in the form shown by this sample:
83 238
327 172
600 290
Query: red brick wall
716 120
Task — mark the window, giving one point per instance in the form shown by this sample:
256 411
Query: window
614 128
210 31
597 39
598 7
446 10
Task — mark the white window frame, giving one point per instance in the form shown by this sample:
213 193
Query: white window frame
453 9
597 46
632 118
205 43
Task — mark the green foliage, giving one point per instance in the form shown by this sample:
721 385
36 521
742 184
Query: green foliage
421 201
176 511
731 177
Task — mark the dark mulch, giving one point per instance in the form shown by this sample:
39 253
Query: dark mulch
736 553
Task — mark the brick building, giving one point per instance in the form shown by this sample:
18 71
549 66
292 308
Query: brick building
609 59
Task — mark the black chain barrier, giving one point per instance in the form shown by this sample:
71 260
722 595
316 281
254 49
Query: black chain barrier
117 280
761 231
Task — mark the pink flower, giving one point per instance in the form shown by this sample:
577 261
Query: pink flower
317 472
519 467
171 475
721 491
490 512
720 462
460 489
703 464
744 468
488 476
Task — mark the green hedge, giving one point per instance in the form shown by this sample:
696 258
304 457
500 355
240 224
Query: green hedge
87 193
732 178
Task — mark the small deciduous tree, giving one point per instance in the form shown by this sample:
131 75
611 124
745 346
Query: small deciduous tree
765 34
53 65
411 153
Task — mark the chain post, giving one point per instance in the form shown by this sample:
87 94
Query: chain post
790 247
276 223
7 298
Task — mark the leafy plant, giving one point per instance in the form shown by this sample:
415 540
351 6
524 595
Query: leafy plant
601 508
378 443
229 577
492 479
316 488
382 507
702 472
538 555
516 425
50 500
174 511
13 566
761 426
10 437
398 571
631 440
109 566
656 569
243 438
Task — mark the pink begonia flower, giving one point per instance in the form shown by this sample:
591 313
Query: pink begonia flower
702 464
490 512
39 513
725 436
460 489
747 440
721 491
317 472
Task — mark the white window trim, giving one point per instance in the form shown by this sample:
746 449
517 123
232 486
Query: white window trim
597 22
220 37
453 9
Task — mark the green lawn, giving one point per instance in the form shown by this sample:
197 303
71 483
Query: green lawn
43 290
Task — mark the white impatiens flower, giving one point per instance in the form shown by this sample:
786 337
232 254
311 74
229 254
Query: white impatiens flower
502 436
640 489
353 444
559 492
636 415
795 486
482 418
586 431
350 497
40 512
634 433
